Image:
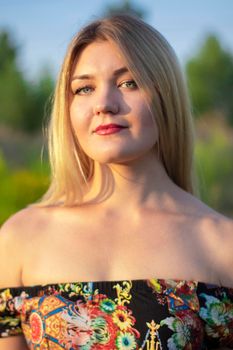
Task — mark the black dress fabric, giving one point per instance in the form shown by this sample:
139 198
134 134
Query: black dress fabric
126 315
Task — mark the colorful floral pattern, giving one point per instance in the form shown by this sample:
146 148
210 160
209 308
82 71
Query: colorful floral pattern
187 331
218 317
151 314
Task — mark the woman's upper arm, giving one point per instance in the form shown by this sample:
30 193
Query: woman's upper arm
224 252
11 244
13 343
11 335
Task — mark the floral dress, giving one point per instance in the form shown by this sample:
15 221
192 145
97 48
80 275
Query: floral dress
126 315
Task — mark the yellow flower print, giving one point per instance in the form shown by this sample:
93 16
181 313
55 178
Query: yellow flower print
4 297
122 319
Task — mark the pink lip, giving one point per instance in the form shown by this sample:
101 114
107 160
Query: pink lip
108 129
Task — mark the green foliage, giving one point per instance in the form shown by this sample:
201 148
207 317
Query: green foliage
38 106
19 188
8 52
125 6
214 156
210 79
13 89
3 166
23 102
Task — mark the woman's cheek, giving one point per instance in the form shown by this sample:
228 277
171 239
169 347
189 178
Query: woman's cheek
80 120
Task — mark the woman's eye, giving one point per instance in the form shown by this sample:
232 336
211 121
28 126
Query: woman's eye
129 84
83 90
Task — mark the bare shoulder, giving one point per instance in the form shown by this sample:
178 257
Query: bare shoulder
14 234
218 236
225 252
213 239
18 225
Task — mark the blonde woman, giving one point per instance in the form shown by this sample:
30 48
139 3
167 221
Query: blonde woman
120 253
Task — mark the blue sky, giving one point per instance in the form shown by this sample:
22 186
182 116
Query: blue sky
44 28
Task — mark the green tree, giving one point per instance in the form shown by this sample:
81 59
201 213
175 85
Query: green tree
214 159
8 50
23 103
39 98
13 87
210 79
125 6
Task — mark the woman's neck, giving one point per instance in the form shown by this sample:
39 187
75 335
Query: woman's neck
132 186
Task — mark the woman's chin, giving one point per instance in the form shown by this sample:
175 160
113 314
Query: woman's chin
126 160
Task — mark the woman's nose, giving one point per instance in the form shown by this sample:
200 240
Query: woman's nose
106 108
106 102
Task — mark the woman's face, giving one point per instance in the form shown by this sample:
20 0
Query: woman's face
105 96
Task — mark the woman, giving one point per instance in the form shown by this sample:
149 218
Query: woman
119 254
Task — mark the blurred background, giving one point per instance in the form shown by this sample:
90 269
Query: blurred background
33 41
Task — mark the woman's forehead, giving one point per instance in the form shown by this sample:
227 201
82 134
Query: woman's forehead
98 56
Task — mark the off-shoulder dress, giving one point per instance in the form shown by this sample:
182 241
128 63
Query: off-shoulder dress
124 314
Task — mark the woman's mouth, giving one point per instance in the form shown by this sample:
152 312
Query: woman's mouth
109 129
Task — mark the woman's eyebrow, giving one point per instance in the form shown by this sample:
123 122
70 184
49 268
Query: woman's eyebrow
116 73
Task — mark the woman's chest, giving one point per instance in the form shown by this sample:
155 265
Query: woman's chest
113 251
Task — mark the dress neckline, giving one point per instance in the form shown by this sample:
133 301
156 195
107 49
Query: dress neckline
138 283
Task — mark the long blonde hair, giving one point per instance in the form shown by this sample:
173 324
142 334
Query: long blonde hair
155 67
